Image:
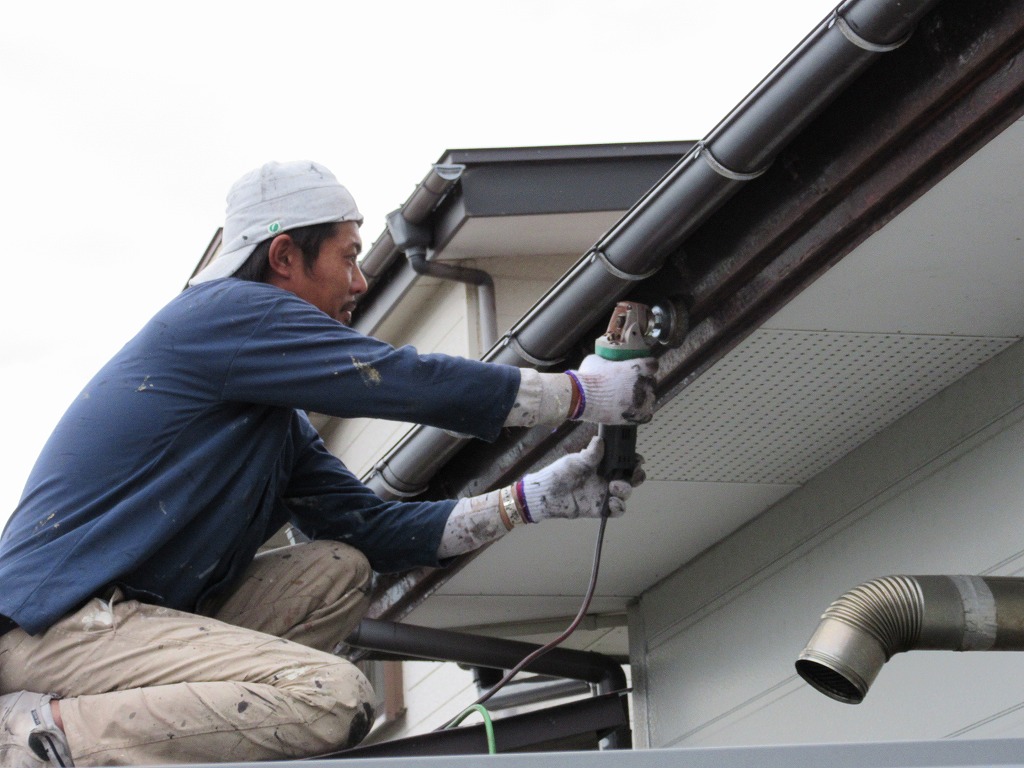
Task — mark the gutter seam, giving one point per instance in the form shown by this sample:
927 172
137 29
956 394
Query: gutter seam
379 469
662 219
751 135
705 151
601 257
862 43
513 342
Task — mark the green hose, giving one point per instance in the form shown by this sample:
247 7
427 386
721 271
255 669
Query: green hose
488 725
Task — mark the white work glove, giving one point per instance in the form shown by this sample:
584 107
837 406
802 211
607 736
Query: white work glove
616 391
571 487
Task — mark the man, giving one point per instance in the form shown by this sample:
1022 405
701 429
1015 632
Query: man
138 623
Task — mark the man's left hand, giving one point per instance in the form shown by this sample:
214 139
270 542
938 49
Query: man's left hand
617 392
570 487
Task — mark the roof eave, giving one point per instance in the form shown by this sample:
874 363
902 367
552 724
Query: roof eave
733 291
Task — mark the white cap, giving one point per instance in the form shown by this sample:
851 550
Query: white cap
274 199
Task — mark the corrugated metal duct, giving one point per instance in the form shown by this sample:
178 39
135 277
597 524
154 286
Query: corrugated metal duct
865 627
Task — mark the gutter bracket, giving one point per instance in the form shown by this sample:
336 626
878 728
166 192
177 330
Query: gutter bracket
704 151
513 342
860 42
600 256
379 470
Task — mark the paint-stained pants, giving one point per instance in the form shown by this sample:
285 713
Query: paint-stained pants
144 685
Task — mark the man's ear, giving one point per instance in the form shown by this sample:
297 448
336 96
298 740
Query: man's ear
284 257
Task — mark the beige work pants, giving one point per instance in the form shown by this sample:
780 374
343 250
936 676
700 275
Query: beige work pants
145 685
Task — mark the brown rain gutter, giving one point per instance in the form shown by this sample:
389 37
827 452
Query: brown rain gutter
900 128
737 151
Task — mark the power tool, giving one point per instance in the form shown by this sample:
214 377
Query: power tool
633 331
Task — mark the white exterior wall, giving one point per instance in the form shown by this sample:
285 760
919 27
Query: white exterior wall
434 693
519 282
939 492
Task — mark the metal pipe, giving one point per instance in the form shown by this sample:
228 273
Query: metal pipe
862 630
736 151
414 240
487 308
407 640
527 693
417 209
428 193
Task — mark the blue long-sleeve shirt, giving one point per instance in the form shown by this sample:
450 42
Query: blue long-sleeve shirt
190 448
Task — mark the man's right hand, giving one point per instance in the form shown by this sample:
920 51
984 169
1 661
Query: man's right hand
616 392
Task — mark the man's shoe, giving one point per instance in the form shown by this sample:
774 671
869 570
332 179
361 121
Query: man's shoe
28 736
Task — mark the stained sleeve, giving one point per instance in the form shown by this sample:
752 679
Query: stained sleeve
298 357
328 502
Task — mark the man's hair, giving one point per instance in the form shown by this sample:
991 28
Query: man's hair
309 239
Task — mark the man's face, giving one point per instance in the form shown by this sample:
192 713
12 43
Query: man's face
335 280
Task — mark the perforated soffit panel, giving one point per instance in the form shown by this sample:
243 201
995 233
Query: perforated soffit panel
786 404
918 305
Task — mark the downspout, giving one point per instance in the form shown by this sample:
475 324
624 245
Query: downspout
414 239
736 151
862 630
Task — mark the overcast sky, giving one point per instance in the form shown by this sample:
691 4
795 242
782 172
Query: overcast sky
126 122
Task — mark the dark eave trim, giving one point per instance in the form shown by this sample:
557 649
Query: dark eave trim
518 182
560 154
208 254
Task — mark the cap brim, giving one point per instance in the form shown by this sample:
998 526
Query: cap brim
224 265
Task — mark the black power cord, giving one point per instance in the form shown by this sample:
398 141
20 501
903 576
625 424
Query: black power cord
534 655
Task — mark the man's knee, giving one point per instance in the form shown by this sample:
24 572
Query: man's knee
327 562
353 560
312 593
342 578
363 713
350 702
345 564
361 724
